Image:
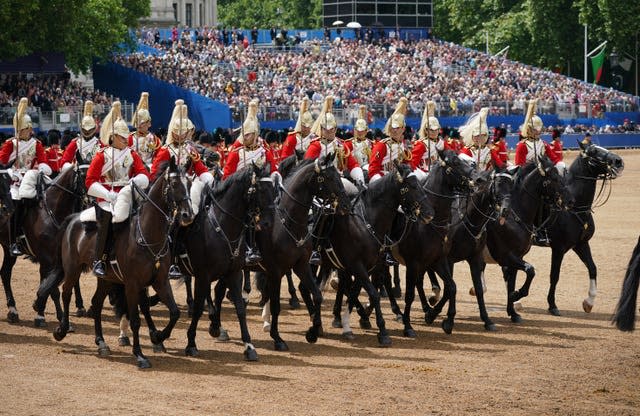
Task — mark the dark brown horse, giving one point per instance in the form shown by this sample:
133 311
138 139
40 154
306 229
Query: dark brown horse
139 258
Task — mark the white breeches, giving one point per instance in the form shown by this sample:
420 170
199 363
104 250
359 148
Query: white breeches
120 209
27 188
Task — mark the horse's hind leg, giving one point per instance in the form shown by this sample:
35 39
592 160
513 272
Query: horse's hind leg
556 261
294 303
509 275
234 281
476 266
584 253
63 327
163 289
383 273
7 265
397 291
303 270
133 298
435 288
215 323
441 267
97 302
202 287
273 289
80 310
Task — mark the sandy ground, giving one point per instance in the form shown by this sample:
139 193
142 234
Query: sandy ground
574 364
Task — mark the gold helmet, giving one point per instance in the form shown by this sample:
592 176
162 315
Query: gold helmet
531 122
361 122
305 118
429 120
113 124
397 118
21 119
475 126
325 119
142 114
180 123
88 122
251 123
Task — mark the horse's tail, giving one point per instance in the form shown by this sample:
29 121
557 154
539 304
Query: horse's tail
625 314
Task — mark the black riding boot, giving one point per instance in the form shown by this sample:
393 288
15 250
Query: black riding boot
252 257
316 258
16 228
389 260
103 221
174 270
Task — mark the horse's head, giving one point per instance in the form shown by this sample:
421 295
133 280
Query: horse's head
176 193
260 196
6 203
458 172
501 186
553 184
328 186
601 162
413 198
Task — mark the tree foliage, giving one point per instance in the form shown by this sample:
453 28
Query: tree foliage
81 29
292 14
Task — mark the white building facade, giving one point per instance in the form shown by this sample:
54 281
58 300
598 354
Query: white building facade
192 13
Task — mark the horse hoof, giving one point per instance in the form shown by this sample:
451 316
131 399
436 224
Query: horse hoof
214 331
365 323
294 303
518 306
348 336
157 348
89 313
81 313
13 317
397 292
123 341
320 331
516 319
554 311
224 336
447 326
384 341
410 333
490 326
433 300
429 317
155 337
266 327
143 363
250 354
336 323
39 323
104 351
311 337
59 334
71 329
191 352
280 346
587 306
399 317
472 291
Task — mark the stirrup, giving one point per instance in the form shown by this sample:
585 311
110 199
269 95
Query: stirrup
389 259
174 272
253 257
315 259
542 239
99 268
14 250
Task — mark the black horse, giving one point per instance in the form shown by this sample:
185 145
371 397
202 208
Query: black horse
625 314
140 258
427 245
6 211
42 224
536 184
288 244
358 241
216 245
489 203
572 230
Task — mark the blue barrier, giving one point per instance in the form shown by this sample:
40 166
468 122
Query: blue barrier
127 84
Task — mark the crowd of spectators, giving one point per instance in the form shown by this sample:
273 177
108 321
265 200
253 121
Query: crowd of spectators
376 73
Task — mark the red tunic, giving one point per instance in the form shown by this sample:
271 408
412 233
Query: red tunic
452 144
69 155
556 145
54 158
239 156
164 155
289 146
7 150
94 173
495 160
316 150
379 157
522 150
502 151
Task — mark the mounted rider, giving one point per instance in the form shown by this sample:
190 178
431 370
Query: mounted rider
475 134
500 141
179 146
326 143
248 149
142 140
301 137
86 145
29 159
425 149
359 145
109 179
390 149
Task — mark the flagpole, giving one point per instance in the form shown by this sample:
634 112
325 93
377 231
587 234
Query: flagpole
585 53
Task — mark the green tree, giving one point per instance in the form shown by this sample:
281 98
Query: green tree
294 14
81 29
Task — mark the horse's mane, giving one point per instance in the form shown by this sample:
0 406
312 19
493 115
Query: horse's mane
240 177
288 165
523 172
381 187
162 167
300 166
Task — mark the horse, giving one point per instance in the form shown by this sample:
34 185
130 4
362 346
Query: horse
508 242
572 229
216 245
489 203
427 245
358 241
42 224
287 245
140 258
6 211
625 314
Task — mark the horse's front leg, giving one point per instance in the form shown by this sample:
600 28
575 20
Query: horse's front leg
477 266
307 282
362 280
234 282
162 286
202 287
509 275
273 289
215 323
5 272
133 296
441 267
583 251
557 255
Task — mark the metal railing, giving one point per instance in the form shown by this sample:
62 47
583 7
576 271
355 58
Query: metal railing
69 117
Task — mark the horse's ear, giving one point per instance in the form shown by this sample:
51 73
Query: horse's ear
330 158
172 163
582 145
